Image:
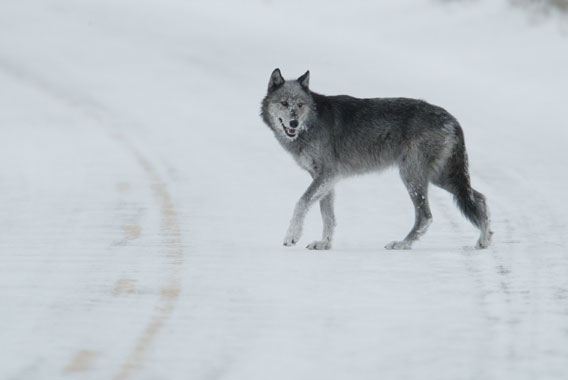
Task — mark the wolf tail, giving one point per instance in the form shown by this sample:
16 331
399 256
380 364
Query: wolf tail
455 178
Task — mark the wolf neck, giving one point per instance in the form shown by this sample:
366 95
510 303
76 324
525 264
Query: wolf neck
305 138
294 146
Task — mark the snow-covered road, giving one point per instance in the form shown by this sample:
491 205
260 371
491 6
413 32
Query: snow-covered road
143 201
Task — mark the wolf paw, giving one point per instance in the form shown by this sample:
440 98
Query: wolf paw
292 237
484 241
288 242
398 245
481 244
319 245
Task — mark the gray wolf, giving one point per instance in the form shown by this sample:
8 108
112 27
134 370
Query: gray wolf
333 137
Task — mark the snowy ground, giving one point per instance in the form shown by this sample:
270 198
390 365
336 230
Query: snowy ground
144 202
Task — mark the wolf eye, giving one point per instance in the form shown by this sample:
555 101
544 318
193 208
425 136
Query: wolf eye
284 103
300 105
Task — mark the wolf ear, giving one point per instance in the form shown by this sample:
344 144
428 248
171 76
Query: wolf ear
304 80
276 80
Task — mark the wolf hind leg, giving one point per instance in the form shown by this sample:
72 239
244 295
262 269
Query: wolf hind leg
328 218
474 207
454 178
472 204
486 234
417 187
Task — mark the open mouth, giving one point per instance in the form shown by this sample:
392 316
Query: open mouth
289 131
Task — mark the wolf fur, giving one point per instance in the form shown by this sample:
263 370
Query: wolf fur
333 137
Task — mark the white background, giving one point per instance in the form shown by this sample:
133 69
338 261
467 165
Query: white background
143 202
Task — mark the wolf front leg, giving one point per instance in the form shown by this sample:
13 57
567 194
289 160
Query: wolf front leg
328 218
318 189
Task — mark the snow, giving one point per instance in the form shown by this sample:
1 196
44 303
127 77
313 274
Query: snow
144 203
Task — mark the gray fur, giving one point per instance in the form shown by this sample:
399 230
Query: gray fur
333 137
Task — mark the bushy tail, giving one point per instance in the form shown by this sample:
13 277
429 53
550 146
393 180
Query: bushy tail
455 178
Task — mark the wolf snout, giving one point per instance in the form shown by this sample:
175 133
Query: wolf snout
293 123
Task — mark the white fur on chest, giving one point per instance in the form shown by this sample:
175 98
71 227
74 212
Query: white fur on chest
306 162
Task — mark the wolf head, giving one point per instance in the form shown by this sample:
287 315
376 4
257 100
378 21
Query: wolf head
288 105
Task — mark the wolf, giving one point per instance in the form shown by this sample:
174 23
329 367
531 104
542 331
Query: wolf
334 137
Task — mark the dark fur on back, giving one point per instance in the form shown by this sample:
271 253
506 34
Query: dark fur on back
362 135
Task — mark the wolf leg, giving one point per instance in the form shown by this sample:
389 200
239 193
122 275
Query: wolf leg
454 178
417 187
328 218
474 206
319 188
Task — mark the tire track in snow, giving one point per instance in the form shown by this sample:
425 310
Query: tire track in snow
81 361
170 228
498 294
169 293
523 275
473 270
